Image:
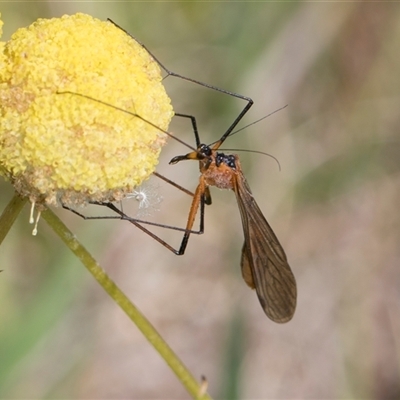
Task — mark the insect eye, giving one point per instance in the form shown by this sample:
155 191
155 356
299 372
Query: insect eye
230 161
219 159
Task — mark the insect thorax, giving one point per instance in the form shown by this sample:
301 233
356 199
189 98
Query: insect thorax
221 171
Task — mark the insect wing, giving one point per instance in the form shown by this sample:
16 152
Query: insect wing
264 258
247 272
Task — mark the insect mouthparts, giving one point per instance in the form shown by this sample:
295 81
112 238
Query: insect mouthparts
177 159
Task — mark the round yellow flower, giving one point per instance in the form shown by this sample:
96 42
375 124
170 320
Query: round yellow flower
57 143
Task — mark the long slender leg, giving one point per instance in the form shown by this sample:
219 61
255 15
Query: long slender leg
198 200
138 223
127 112
121 215
206 194
174 74
172 183
194 126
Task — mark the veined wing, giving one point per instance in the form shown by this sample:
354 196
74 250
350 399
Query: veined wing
264 263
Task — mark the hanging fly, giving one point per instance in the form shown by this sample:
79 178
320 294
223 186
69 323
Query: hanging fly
263 262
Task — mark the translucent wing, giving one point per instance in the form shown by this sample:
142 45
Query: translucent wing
264 263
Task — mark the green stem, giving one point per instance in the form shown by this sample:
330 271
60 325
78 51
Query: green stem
183 374
9 215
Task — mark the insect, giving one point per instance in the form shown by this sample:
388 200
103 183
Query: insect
263 262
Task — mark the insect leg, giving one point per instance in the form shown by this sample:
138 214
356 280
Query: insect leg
195 81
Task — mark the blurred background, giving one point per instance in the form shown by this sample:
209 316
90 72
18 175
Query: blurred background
334 206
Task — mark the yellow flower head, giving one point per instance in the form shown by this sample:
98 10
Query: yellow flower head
61 147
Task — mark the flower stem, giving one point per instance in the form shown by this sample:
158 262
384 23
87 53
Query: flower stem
9 215
183 374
